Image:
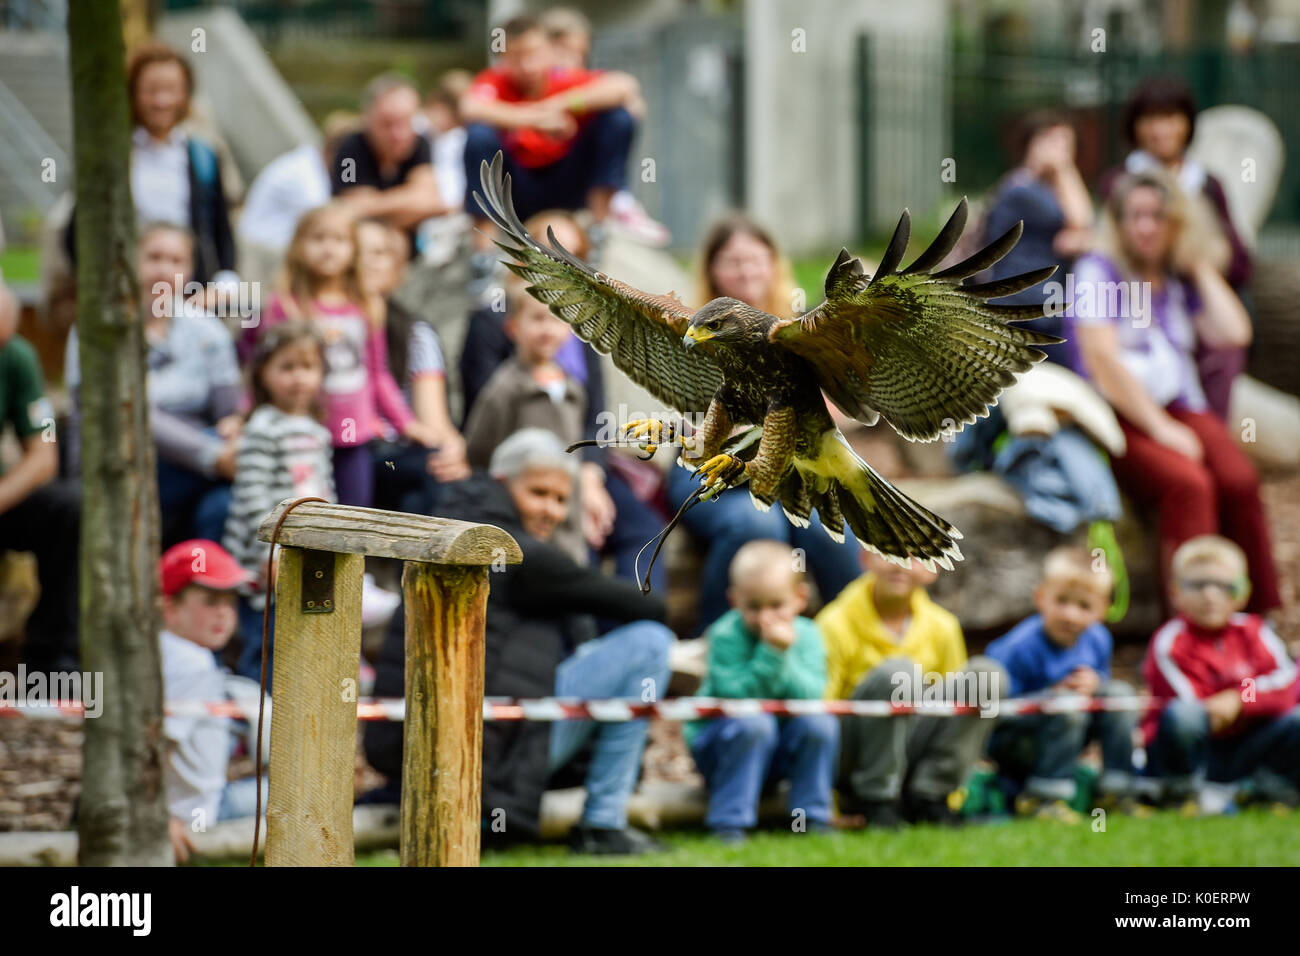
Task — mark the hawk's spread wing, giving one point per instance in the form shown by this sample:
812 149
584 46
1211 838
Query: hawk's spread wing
641 332
924 351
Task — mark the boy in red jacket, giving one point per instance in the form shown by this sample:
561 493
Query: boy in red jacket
1227 689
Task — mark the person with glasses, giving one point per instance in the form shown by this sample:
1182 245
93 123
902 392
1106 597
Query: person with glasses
1225 687
1137 309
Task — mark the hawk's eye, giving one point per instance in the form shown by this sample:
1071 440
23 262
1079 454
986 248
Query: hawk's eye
714 324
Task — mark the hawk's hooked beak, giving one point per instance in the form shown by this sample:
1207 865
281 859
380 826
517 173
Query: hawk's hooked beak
694 334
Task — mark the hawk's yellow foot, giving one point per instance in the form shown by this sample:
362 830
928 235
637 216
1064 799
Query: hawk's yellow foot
652 433
719 473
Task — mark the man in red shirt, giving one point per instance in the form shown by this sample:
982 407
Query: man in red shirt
1226 687
565 132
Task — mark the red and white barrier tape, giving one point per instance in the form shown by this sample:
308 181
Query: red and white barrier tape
619 709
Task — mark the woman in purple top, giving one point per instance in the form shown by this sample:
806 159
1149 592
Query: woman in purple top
1158 121
1140 307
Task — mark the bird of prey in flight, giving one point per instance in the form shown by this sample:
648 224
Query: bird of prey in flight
912 345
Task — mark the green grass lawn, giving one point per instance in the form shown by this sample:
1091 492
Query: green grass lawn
1249 838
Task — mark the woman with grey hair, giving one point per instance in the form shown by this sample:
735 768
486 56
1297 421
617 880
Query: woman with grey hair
542 639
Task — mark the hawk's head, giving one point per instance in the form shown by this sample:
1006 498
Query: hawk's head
729 323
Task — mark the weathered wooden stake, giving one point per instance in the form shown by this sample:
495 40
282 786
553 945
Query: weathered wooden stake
314 730
442 756
318 649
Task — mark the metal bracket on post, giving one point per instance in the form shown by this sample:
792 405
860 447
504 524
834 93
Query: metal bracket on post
317 582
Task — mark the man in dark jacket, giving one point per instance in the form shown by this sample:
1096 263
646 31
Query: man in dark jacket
541 639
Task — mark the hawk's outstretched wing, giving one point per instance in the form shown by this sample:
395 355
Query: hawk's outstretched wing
924 351
641 332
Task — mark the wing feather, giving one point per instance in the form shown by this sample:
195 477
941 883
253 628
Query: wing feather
641 332
915 347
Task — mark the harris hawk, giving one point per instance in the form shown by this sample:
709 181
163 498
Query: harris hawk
913 345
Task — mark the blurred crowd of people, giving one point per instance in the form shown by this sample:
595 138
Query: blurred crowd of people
335 387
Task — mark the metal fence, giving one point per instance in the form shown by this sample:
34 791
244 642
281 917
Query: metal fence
687 163
990 90
987 92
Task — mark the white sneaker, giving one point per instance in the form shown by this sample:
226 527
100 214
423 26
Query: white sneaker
1217 798
630 218
377 605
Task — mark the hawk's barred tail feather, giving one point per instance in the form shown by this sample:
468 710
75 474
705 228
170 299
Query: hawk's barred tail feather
888 522
846 490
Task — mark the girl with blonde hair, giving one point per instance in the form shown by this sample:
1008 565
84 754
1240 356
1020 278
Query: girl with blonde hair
321 284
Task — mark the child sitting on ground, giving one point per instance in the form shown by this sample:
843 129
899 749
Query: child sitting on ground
1064 649
762 648
887 641
199 601
1226 688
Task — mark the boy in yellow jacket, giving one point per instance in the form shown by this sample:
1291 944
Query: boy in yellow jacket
886 640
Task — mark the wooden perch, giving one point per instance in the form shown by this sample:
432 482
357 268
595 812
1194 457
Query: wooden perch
316 658
391 534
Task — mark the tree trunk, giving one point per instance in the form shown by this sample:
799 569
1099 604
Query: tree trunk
122 817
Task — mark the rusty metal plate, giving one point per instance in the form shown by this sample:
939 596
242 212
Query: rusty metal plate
317 582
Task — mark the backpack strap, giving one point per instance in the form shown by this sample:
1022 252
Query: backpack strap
203 160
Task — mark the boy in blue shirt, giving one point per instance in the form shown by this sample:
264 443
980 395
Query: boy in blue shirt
1064 649
762 648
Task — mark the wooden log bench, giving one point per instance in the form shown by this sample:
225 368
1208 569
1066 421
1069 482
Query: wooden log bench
317 656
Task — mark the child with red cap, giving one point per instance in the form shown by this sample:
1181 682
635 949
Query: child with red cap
200 614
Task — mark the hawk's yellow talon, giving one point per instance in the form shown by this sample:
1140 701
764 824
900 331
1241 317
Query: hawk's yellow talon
651 430
720 472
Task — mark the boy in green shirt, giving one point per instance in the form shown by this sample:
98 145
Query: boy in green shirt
37 512
762 648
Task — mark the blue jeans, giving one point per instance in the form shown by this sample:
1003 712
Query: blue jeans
632 662
738 755
1185 754
250 654
635 523
731 520
354 475
192 505
597 158
1044 748
239 799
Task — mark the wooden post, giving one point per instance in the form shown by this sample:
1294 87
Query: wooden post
318 647
314 730
442 754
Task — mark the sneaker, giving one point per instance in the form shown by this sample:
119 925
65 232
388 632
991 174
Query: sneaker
377 605
1043 809
732 836
602 841
882 814
1218 799
1127 805
932 810
630 218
